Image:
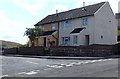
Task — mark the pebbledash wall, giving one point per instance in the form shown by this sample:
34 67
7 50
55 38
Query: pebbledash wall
92 50
101 28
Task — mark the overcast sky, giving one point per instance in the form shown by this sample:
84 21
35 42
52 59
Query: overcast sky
17 15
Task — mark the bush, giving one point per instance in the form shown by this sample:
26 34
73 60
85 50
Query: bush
25 45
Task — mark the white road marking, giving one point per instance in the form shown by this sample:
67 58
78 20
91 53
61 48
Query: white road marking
93 61
58 66
86 62
78 63
31 62
4 76
69 65
22 73
104 59
48 69
109 59
100 60
62 64
37 70
74 63
52 66
31 73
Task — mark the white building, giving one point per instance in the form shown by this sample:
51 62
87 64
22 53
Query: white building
93 24
97 26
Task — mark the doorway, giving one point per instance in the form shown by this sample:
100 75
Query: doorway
44 41
87 39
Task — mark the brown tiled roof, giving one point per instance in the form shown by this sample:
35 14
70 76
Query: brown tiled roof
71 14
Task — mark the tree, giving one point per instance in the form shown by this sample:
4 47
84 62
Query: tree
32 33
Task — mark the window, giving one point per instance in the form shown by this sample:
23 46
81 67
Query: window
66 24
75 39
66 40
41 26
85 22
53 26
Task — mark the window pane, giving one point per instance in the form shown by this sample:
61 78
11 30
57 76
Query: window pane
66 24
66 40
85 21
75 39
53 26
41 26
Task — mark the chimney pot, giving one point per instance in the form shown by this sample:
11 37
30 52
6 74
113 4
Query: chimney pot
83 4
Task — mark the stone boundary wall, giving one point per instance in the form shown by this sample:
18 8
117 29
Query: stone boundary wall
92 50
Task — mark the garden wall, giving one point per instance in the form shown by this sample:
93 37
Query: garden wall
92 50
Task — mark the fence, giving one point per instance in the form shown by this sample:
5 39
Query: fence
92 50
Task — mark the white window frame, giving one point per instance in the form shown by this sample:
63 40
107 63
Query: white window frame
84 21
66 40
75 39
66 24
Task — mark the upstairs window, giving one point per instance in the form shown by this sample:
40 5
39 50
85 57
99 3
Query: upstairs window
42 27
66 24
85 21
53 26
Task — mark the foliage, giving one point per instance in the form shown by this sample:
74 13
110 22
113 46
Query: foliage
3 47
25 45
32 33
118 32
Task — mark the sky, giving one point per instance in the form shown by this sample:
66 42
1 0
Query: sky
17 15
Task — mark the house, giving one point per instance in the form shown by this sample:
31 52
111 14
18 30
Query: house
118 19
93 24
118 15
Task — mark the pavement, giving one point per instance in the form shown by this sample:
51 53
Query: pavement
64 57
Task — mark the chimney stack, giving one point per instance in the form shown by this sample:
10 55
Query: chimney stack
83 4
56 11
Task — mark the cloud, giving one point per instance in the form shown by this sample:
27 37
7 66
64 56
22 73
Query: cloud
29 5
12 30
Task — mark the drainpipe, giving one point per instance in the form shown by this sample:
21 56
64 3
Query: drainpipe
58 34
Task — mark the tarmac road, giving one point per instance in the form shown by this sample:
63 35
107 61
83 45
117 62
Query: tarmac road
37 67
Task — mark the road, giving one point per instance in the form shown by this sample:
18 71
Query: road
36 67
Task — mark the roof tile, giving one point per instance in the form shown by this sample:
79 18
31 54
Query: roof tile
71 14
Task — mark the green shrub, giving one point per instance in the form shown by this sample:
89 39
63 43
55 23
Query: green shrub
24 45
118 32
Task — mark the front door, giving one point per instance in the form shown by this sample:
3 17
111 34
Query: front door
44 41
87 38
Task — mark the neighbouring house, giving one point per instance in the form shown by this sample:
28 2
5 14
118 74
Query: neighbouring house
118 15
93 24
118 19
